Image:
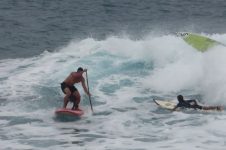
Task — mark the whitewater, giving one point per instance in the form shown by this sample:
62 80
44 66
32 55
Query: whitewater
125 75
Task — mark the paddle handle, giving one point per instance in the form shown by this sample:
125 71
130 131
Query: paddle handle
87 81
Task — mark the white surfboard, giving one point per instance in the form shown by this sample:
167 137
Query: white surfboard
165 104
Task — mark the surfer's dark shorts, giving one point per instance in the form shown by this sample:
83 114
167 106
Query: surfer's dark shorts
71 88
186 105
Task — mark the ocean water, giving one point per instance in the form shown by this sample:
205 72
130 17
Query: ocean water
132 55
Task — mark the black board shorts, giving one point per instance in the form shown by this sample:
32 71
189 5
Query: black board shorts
188 105
71 88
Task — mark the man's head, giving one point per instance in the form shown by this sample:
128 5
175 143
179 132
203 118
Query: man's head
180 98
79 69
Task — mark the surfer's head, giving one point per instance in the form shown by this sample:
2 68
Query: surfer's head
79 69
180 98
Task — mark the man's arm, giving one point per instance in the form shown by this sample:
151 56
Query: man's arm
192 102
84 87
78 74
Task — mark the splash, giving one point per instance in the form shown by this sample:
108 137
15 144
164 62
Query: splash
165 64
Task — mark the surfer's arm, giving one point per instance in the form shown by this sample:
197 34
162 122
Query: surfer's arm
192 102
84 87
78 74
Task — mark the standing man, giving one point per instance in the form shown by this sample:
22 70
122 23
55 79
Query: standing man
70 91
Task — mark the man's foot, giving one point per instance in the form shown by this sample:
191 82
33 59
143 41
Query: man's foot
76 108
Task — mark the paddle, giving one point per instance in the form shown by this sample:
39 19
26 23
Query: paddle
88 91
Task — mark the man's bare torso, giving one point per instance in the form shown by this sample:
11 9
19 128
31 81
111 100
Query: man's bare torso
74 77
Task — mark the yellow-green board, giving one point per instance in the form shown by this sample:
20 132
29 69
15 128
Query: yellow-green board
199 42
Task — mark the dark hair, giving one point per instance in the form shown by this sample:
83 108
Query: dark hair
80 69
180 98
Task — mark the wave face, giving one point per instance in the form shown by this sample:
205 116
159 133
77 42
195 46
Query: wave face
124 75
30 28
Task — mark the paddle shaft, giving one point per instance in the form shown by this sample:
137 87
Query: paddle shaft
88 91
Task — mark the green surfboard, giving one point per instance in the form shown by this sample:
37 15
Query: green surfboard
199 42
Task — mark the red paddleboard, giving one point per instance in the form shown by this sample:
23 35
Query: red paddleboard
69 112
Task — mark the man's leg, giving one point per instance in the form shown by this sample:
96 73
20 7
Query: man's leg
66 97
73 100
219 108
77 97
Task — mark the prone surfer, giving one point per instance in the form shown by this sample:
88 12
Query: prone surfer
193 104
70 91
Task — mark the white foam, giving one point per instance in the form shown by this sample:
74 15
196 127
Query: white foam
176 65
213 81
173 66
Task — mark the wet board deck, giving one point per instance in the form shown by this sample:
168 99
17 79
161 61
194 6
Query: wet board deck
165 104
68 112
